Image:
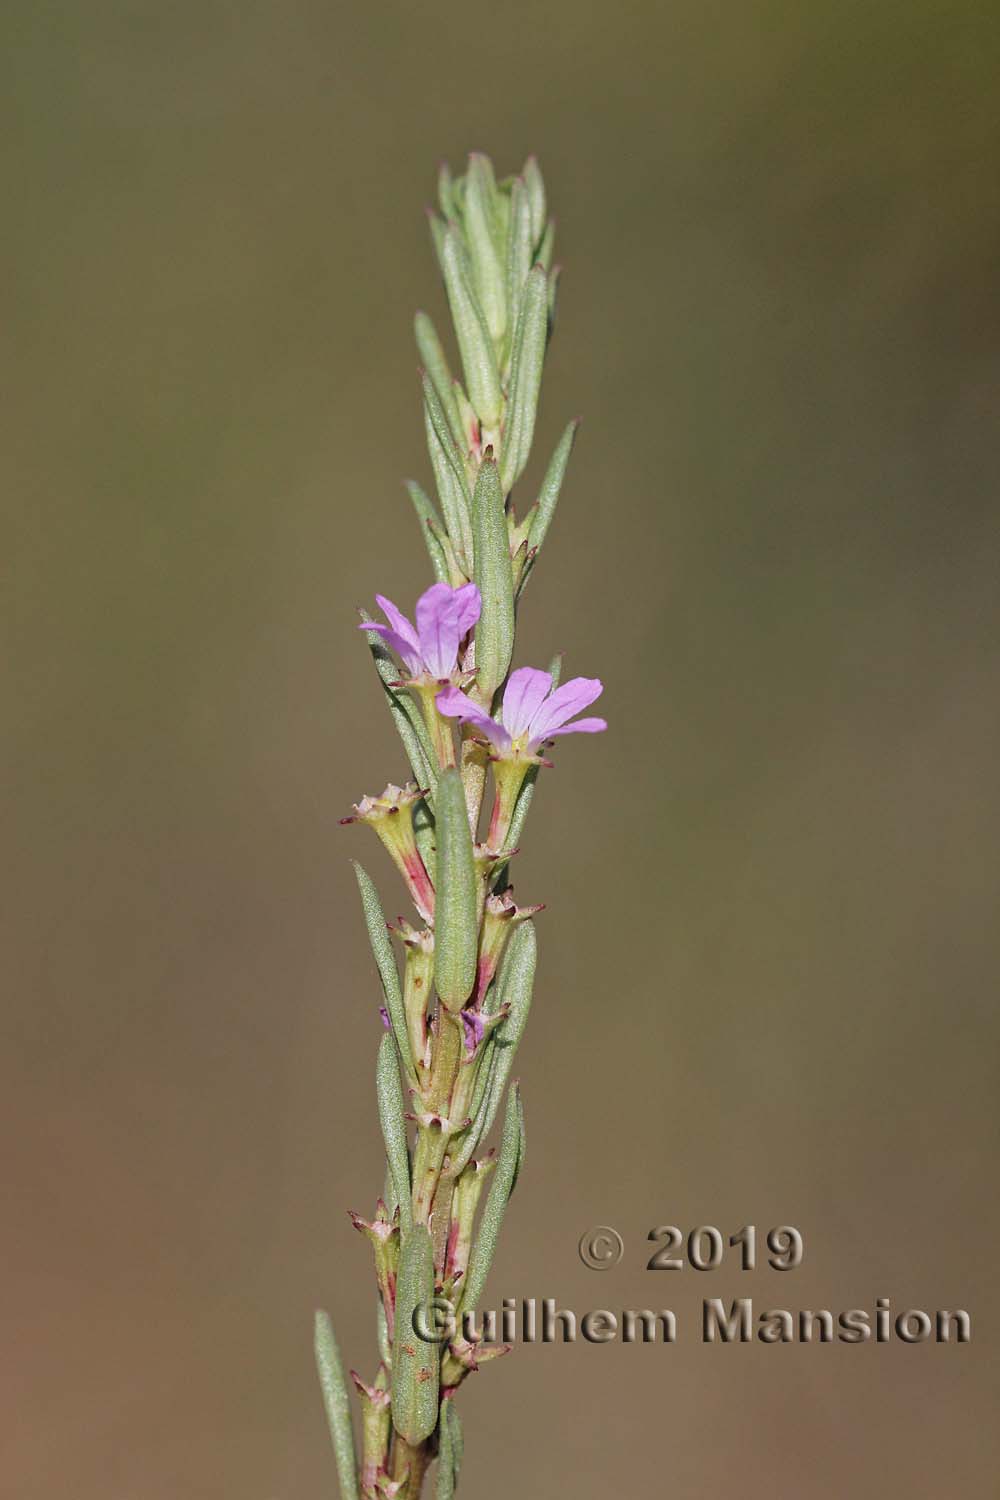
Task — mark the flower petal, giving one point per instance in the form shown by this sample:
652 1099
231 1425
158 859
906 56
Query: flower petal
469 604
581 726
455 704
526 691
398 621
566 701
408 655
438 629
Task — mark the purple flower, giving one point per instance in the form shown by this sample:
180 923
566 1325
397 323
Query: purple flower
531 712
444 616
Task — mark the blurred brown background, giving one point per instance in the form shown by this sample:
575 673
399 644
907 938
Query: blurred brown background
768 976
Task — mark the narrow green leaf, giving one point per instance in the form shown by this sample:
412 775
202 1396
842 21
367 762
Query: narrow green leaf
496 1204
437 228
546 249
389 1195
515 984
492 573
457 1438
525 378
536 196
548 495
474 343
480 219
456 925
522 1144
449 1450
519 243
431 529
391 1113
405 715
553 286
448 475
439 421
435 362
385 961
446 197
480 1108
416 1362
338 1405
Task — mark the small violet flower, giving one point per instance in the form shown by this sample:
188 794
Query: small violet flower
444 616
429 652
531 714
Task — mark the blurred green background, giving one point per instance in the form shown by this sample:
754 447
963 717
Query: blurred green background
768 974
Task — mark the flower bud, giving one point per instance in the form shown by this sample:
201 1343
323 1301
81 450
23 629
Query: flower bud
499 920
418 977
391 816
375 1424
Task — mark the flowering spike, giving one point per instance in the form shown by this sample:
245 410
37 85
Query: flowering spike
469 725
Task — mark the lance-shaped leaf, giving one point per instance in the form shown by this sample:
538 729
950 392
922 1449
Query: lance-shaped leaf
391 1114
431 529
492 572
338 1405
554 276
474 343
457 1438
522 1143
436 364
496 1204
446 191
548 245
548 495
525 378
450 1447
389 1195
514 989
451 449
456 924
519 245
480 1107
536 196
385 961
416 1361
449 474
437 228
405 715
480 218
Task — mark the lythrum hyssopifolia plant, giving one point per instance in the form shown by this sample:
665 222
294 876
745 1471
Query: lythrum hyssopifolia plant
474 732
